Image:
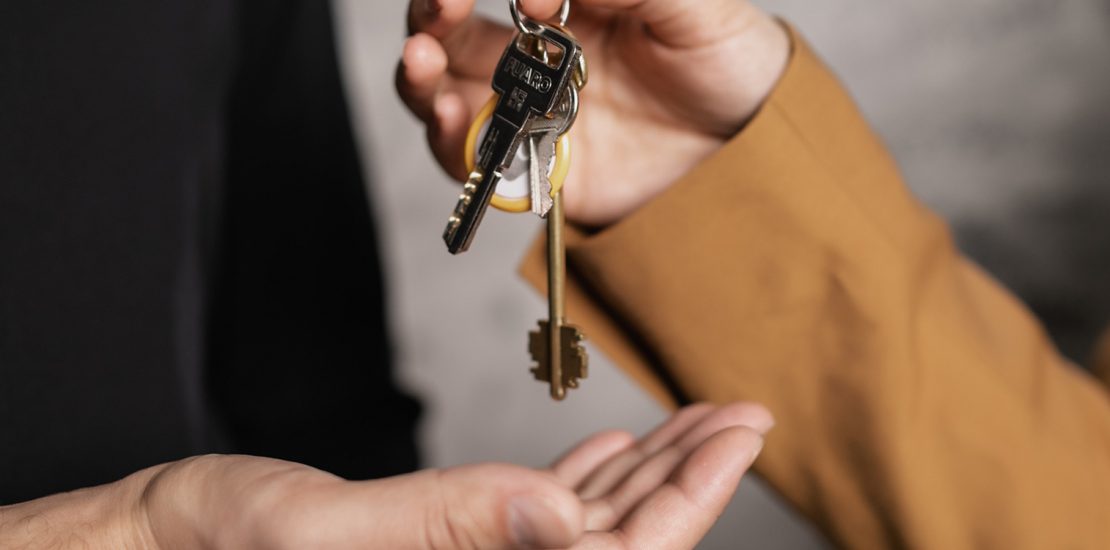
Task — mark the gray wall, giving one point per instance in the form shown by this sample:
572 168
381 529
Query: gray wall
995 109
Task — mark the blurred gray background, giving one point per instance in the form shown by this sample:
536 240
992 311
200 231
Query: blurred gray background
996 109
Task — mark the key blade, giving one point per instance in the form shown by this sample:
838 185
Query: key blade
541 151
494 154
540 178
457 236
469 212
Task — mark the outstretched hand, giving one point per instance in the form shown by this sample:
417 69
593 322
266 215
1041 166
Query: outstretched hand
670 81
610 492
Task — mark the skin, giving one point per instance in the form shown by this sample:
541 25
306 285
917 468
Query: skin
663 491
670 82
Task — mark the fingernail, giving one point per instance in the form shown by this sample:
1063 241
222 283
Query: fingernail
763 425
526 516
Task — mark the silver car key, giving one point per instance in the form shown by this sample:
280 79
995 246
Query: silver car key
539 185
543 135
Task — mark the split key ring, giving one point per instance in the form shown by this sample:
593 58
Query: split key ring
527 25
513 192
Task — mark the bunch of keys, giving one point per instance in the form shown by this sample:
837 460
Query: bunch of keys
521 135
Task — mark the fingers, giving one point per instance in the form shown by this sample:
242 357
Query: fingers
606 512
473 44
543 10
441 17
693 423
683 23
679 513
444 72
447 133
420 73
438 17
573 467
681 421
493 506
598 482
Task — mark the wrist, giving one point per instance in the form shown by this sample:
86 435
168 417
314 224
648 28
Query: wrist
178 505
106 516
226 501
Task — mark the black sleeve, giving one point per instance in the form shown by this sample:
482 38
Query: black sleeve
300 359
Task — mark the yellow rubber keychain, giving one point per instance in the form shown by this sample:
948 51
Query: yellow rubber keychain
513 192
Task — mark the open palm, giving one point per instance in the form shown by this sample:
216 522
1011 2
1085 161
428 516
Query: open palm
610 492
670 80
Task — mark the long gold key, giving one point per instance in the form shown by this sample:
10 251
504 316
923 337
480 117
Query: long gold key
556 347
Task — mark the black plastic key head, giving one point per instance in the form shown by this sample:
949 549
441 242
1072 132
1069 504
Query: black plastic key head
530 86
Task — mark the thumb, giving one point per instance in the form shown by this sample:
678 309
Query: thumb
484 506
675 23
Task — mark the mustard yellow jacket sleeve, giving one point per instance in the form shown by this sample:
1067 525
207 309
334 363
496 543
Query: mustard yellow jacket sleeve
919 404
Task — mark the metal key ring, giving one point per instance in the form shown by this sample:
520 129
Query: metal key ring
515 204
523 21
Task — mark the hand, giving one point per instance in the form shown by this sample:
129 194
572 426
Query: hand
610 492
670 81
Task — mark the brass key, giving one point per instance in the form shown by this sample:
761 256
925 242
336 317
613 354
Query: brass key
556 347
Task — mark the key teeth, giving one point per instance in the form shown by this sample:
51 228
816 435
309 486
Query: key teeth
537 346
575 358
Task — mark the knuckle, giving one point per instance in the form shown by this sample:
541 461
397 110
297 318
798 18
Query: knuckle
447 525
